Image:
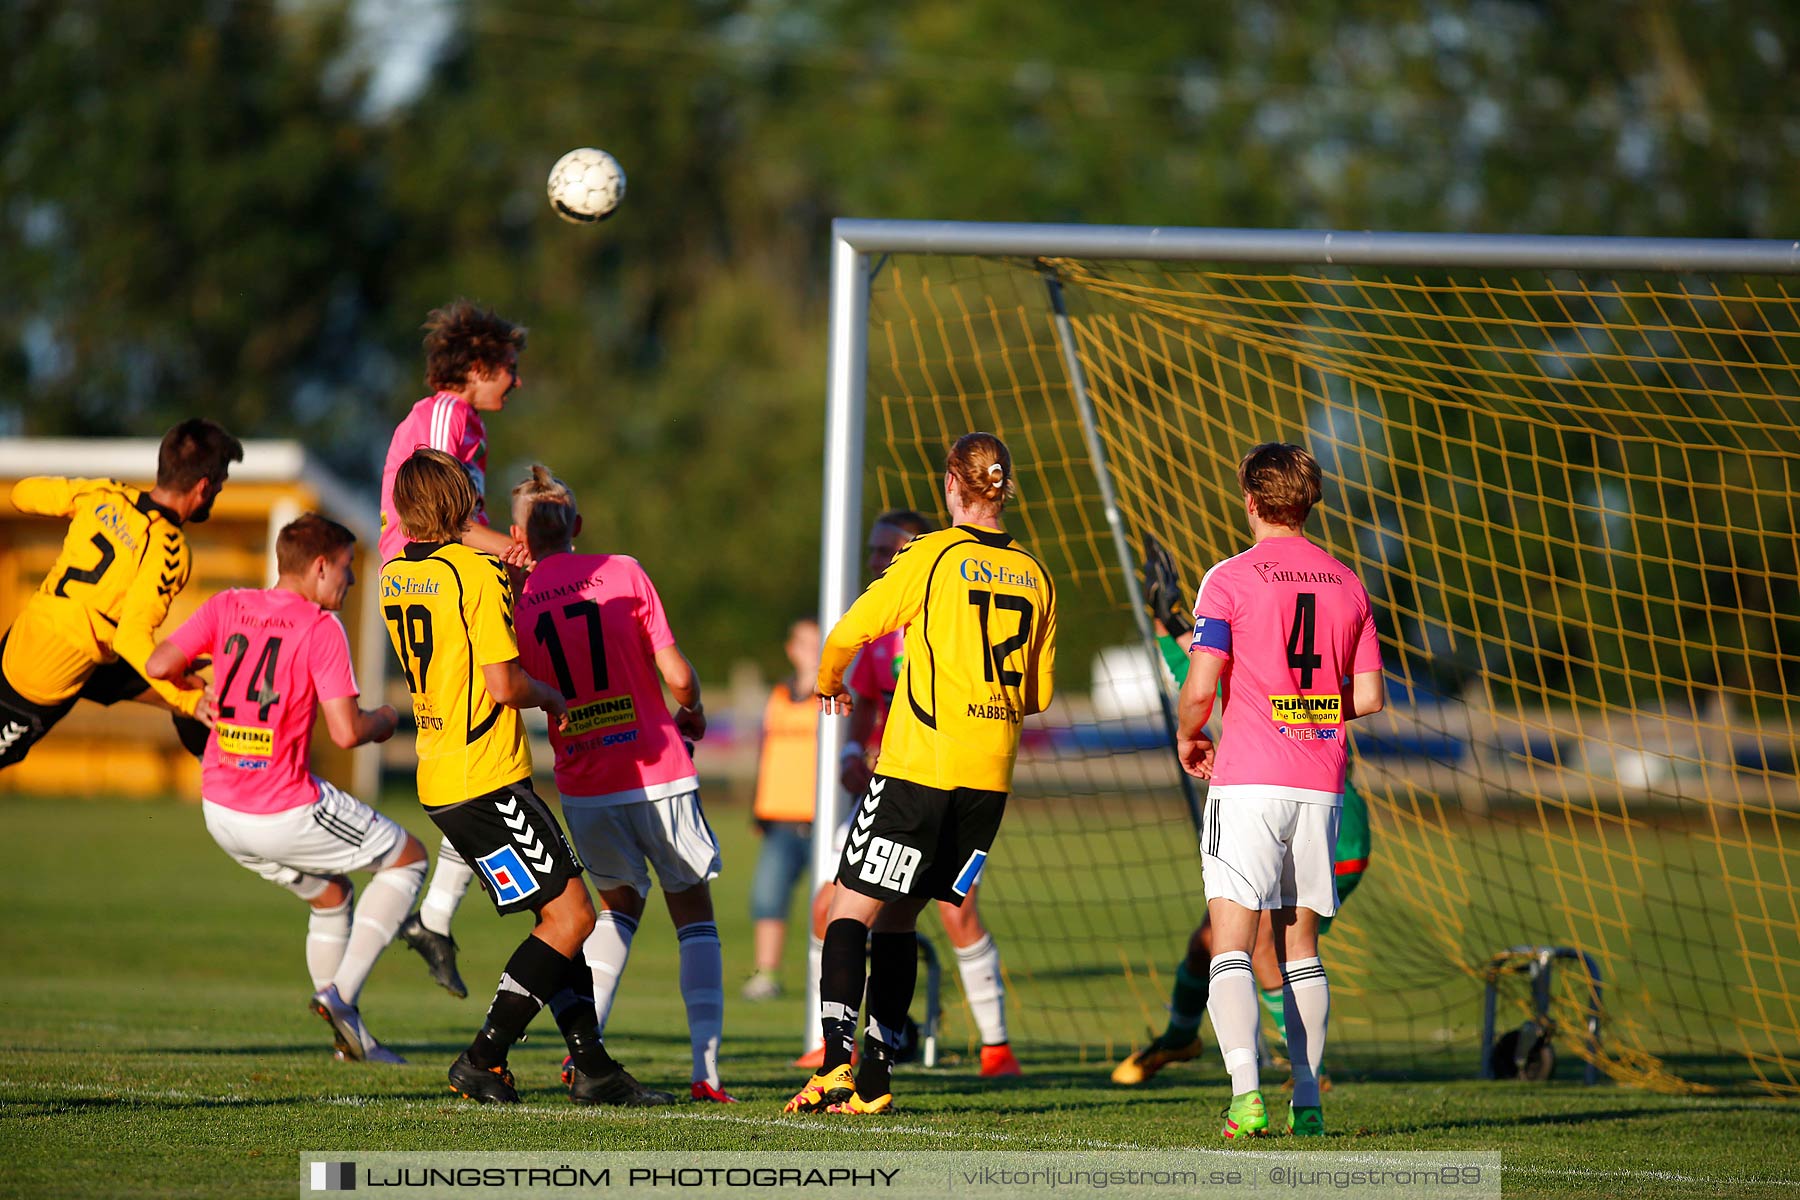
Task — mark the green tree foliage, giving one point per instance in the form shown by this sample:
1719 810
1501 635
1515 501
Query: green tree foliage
204 212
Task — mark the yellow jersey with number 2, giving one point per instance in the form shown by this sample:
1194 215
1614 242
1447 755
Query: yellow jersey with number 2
122 563
980 618
448 611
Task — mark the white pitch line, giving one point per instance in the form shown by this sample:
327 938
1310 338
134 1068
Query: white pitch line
860 1127
1655 1176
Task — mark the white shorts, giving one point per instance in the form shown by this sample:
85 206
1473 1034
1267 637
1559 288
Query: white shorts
301 848
1266 853
618 843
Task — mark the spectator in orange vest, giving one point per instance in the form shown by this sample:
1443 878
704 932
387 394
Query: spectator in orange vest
785 792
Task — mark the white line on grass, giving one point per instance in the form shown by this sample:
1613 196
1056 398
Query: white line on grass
1656 1176
855 1128
861 1127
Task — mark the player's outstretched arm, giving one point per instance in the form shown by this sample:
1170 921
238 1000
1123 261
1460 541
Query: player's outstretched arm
1194 709
1368 694
508 684
890 602
46 495
501 546
351 725
170 664
684 684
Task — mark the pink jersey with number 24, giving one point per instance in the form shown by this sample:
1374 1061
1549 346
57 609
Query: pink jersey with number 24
590 625
276 656
1294 624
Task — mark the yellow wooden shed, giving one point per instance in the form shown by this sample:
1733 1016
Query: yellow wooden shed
130 749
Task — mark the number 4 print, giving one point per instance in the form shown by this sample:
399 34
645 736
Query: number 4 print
1300 652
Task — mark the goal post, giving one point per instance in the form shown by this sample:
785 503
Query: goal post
1566 467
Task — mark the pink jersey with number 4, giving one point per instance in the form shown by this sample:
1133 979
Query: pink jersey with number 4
590 625
276 656
446 422
1294 624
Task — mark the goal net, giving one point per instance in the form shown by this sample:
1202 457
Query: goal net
1571 491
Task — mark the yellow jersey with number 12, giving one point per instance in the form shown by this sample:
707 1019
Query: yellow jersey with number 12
980 618
448 611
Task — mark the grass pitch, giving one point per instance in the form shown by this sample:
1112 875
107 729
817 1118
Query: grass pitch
157 1041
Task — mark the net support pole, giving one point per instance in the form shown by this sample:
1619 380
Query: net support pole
1115 521
846 376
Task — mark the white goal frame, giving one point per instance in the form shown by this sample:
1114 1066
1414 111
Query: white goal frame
857 247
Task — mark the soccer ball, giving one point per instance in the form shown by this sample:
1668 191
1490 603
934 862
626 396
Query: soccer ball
586 185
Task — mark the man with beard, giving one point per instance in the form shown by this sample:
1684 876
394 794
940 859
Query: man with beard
89 629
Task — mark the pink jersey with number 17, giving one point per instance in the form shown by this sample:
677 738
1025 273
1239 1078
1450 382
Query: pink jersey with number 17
590 625
276 656
1294 624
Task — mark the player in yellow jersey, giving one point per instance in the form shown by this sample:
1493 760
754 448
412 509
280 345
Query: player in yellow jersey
448 610
980 618
88 630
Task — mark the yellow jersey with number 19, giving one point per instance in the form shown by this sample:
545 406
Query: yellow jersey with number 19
448 611
980 618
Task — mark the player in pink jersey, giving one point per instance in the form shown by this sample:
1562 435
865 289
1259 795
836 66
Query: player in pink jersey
1289 632
472 366
872 680
278 653
592 626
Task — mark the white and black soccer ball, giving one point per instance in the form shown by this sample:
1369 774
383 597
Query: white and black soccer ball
586 185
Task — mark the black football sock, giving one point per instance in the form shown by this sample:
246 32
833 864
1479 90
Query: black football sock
573 1007
533 974
893 974
841 966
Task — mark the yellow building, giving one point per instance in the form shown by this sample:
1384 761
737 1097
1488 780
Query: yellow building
130 749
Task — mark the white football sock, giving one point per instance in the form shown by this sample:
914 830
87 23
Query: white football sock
327 933
449 882
703 990
385 902
984 988
1231 1002
606 951
1306 994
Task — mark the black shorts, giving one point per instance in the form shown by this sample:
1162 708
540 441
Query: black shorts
23 723
906 839
513 841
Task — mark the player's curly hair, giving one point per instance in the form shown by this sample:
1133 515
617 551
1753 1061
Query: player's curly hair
983 469
463 337
1284 480
433 496
544 507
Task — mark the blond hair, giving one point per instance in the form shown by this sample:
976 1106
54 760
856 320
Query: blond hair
433 496
544 507
1284 480
982 468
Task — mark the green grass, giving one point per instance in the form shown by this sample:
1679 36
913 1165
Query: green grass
157 1042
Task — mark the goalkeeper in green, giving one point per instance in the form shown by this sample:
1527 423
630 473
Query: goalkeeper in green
1187 1003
